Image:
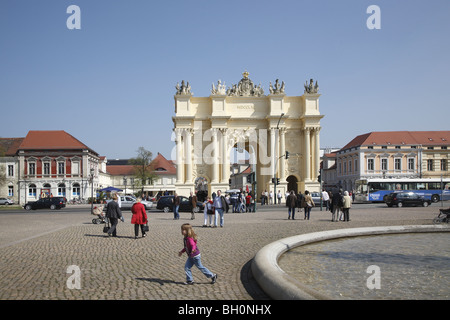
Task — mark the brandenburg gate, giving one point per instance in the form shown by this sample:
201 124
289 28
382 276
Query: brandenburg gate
242 116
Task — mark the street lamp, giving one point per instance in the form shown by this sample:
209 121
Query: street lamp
91 177
275 165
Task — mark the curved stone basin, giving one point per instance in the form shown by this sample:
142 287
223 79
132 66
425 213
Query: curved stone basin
400 266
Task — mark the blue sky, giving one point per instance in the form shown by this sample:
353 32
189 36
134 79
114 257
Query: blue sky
111 84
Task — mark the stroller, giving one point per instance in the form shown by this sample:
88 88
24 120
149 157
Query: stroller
444 216
98 211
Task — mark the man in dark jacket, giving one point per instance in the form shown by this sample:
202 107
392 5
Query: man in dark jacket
113 213
336 202
291 203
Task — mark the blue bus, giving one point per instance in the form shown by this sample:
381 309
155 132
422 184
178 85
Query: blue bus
374 190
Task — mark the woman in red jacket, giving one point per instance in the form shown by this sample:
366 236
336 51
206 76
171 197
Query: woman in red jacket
139 217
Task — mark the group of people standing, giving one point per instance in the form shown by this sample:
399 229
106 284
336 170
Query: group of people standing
338 203
214 210
299 201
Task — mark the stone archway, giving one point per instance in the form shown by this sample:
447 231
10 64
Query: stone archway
206 128
201 187
292 184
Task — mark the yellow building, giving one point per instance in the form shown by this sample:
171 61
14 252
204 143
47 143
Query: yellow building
242 116
393 155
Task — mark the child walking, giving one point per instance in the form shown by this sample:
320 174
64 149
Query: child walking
193 253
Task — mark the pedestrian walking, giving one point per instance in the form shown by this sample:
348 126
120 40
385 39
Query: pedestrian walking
176 207
139 217
208 212
336 203
325 199
279 196
309 203
242 206
248 200
193 202
300 201
291 203
219 204
346 205
113 213
193 253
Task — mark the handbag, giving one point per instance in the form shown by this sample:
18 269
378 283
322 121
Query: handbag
106 228
146 228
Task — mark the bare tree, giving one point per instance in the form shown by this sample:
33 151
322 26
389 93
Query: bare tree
143 171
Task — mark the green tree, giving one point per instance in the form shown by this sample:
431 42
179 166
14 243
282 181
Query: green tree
143 170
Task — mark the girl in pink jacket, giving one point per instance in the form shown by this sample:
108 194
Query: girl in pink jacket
193 253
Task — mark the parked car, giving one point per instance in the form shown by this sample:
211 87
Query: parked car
401 199
165 203
316 198
6 201
46 203
126 202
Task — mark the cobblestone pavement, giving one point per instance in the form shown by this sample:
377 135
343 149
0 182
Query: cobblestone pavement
36 248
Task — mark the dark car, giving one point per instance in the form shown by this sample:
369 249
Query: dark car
401 199
166 203
45 203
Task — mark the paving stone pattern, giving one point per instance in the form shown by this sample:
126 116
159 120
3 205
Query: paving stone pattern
37 248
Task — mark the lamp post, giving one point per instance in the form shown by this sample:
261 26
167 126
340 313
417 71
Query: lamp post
91 177
276 161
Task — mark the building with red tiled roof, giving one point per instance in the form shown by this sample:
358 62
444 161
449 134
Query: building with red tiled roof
122 175
393 155
49 162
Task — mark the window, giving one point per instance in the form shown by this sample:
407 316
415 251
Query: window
398 164
444 166
76 189
370 164
384 164
61 189
47 168
430 166
411 164
10 170
356 165
61 167
32 190
350 166
32 168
